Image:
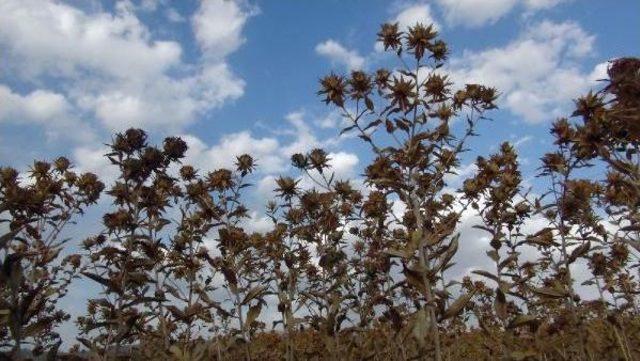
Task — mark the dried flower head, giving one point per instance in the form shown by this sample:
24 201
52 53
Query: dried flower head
333 87
390 36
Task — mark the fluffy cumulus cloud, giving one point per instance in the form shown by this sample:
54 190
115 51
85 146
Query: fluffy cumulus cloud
413 14
343 164
109 65
339 55
265 150
218 26
55 38
537 74
474 13
542 4
39 106
271 152
44 108
302 135
90 159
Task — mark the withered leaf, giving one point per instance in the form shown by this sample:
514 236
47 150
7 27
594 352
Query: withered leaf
522 320
486 274
255 292
579 252
549 292
457 306
254 312
500 304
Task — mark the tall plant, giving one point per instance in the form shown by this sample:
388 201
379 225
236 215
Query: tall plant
33 214
415 105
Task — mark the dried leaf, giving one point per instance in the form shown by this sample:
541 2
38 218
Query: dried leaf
420 326
486 274
579 252
549 292
255 292
522 320
252 315
500 304
457 306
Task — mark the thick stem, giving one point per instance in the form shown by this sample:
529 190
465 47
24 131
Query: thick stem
433 324
243 329
17 348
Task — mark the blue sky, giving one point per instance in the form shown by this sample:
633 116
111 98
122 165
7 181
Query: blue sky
236 77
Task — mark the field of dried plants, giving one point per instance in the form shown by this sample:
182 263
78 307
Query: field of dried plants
346 277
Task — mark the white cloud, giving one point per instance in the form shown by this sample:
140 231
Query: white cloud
522 140
266 186
338 54
46 108
304 138
174 16
222 155
218 26
38 106
257 222
272 153
51 37
343 164
330 121
414 14
599 72
92 159
537 74
149 5
473 13
164 102
110 65
542 4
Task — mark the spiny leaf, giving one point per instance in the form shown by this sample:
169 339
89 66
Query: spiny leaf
549 292
369 103
457 306
256 291
579 252
103 281
522 320
415 279
486 274
500 304
397 253
448 254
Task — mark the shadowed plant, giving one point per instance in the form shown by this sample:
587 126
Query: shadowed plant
36 273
